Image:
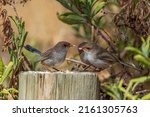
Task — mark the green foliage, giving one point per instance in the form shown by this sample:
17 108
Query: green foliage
5 71
16 56
83 14
142 54
84 8
1 67
71 18
18 41
32 58
118 92
9 93
98 8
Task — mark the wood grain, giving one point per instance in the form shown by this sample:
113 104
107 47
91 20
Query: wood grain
58 86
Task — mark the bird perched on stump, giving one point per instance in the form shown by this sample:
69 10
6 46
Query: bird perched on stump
53 56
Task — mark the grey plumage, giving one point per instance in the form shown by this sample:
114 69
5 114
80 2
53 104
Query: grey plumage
54 56
93 54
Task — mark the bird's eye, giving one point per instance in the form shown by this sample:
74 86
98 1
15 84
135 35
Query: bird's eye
66 45
88 48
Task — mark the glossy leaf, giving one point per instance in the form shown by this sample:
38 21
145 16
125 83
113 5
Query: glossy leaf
146 97
89 1
146 47
1 67
71 18
142 59
135 50
7 72
98 8
94 2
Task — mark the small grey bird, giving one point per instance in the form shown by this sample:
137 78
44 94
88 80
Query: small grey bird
94 55
53 56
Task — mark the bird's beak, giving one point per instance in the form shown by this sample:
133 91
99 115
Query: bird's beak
80 48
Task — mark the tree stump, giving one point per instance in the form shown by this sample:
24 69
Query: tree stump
58 86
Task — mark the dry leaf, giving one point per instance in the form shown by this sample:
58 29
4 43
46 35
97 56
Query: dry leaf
103 75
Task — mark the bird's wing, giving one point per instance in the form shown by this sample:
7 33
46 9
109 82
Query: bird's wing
105 55
47 54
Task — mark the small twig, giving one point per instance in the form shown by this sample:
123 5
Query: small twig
124 64
107 40
56 69
87 67
143 91
93 33
29 66
14 8
76 61
107 34
47 67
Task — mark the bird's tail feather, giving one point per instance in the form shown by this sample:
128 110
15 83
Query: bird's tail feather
31 49
125 64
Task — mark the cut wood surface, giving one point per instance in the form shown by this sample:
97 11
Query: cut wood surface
58 86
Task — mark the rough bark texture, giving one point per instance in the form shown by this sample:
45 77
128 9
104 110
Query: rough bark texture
58 86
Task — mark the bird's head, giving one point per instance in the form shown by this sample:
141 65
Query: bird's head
86 47
64 44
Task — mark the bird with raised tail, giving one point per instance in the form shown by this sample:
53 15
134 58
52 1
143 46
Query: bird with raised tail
53 56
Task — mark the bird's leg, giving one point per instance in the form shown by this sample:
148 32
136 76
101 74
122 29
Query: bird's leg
97 69
46 66
86 67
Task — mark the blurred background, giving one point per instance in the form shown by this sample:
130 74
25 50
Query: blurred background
124 23
44 28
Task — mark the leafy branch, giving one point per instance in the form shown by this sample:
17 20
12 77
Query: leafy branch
85 13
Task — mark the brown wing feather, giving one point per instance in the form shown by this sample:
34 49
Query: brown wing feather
46 54
105 55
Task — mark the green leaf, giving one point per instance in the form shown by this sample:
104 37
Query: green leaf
135 81
99 22
146 97
116 2
4 91
94 2
142 59
146 47
98 8
89 1
135 50
71 5
7 72
70 18
23 39
113 91
1 67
